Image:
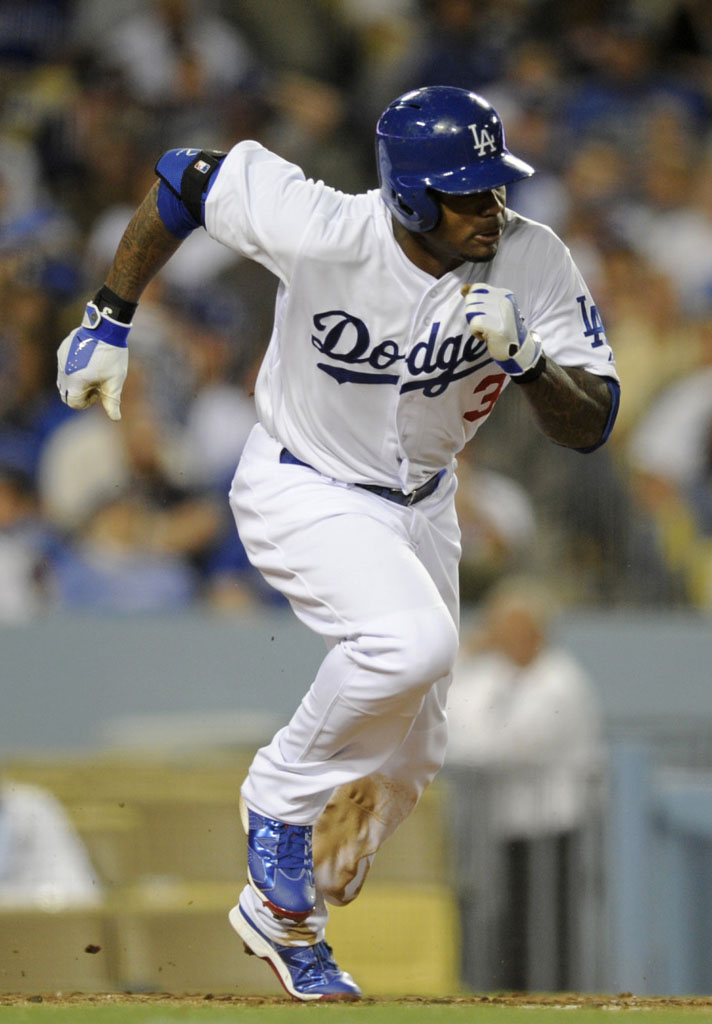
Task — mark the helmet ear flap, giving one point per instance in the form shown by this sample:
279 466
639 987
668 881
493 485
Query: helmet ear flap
416 209
413 206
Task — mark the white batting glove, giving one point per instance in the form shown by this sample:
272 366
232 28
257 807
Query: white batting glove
493 315
93 362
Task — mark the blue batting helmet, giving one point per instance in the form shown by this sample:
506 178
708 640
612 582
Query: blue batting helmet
445 139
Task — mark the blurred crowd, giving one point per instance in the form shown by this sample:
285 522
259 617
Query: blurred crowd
611 100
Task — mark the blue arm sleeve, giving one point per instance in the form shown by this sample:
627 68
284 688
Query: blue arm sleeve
186 177
174 213
615 390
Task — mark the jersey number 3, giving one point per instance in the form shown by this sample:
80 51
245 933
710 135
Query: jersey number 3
488 390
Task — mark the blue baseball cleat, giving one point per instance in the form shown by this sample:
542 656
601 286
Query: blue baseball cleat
279 864
307 973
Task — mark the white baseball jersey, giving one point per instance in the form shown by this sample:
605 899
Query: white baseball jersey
372 375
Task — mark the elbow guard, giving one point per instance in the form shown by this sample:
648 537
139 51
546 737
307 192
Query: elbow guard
186 176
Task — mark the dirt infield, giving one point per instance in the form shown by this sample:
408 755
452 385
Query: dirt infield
622 1001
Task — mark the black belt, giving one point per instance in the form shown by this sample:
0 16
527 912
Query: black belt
389 493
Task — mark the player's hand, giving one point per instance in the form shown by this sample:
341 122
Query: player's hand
93 362
493 315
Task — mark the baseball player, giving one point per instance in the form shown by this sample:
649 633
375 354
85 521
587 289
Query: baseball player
401 315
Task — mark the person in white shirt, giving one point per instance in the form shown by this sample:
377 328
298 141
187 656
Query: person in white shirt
43 861
525 720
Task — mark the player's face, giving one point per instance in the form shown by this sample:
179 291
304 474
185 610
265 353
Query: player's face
469 229
470 226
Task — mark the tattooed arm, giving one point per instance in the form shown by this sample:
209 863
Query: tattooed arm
571 406
145 248
92 361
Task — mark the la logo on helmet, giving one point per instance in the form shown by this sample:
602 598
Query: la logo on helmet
483 139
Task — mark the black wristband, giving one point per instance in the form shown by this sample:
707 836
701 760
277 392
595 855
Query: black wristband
534 373
114 306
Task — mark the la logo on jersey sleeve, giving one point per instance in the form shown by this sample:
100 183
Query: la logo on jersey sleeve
592 323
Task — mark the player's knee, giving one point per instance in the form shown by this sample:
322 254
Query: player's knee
409 652
429 647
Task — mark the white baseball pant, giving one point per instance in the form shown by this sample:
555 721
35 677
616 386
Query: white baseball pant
379 582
